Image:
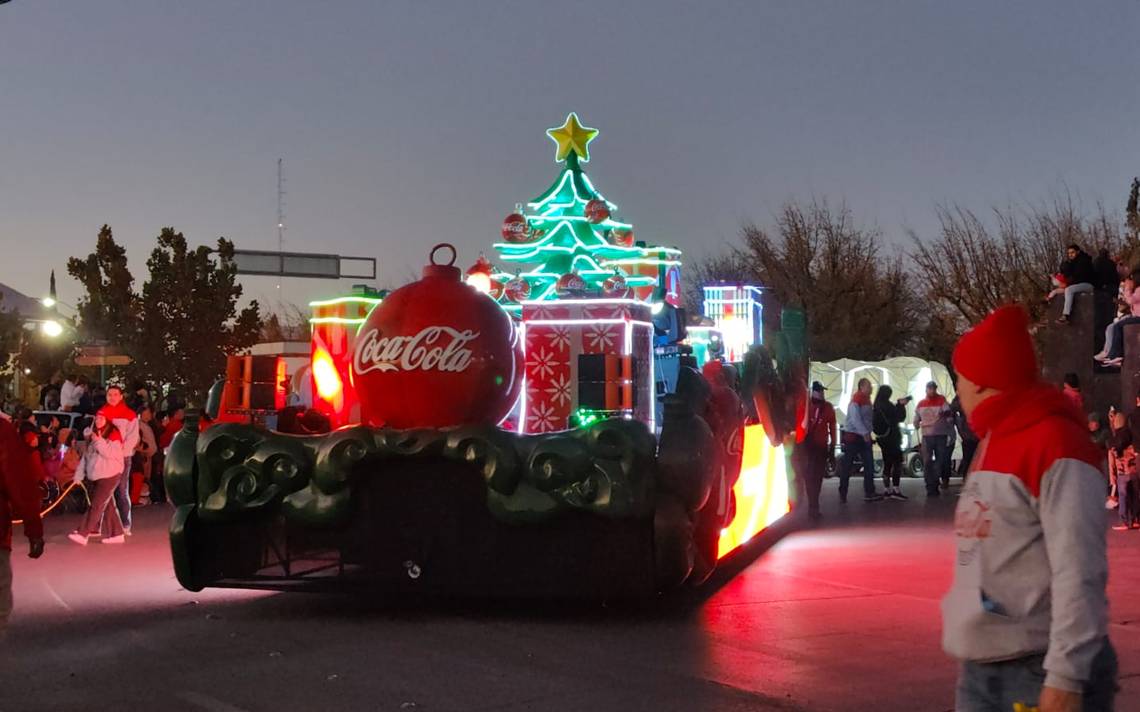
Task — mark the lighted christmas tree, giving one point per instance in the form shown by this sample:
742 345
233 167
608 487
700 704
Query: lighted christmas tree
572 236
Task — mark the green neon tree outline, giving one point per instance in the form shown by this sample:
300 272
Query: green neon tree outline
568 241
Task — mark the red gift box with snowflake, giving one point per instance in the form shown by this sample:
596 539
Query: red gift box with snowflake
586 353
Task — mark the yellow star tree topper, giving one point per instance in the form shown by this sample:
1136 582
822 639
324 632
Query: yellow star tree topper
572 136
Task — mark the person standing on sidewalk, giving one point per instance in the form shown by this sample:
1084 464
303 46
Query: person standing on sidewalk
117 412
1027 613
19 499
102 464
857 443
967 436
812 456
888 415
934 417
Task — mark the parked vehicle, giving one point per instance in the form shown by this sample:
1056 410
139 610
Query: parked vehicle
912 456
75 422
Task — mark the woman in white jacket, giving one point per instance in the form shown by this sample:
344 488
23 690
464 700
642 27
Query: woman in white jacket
103 465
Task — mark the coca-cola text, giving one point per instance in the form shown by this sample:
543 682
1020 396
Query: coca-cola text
439 348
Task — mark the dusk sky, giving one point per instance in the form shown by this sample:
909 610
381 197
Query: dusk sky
403 124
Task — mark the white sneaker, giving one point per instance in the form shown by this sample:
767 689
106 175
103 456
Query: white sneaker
78 538
115 539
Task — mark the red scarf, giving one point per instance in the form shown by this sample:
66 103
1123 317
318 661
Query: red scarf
1011 411
118 412
861 398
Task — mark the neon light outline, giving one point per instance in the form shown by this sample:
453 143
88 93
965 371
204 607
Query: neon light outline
522 396
347 300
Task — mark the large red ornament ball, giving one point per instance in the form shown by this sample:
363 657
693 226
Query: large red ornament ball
597 211
570 285
622 237
615 287
517 289
437 354
515 228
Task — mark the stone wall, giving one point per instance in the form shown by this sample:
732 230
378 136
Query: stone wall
1069 349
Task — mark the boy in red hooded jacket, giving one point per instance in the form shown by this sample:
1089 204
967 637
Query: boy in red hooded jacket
1027 613
19 499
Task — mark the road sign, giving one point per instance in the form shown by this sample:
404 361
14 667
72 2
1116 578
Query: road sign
304 264
93 355
103 360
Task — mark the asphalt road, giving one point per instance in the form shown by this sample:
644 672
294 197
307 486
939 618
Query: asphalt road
839 618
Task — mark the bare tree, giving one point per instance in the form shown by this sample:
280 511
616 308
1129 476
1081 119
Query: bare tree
288 322
972 268
858 304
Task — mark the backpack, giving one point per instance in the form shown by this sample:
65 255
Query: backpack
817 429
881 424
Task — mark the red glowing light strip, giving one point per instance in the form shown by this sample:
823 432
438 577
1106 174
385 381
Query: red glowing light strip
761 491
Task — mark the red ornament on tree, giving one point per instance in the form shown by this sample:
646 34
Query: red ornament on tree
496 290
517 289
615 287
479 274
597 211
570 285
515 228
622 237
437 354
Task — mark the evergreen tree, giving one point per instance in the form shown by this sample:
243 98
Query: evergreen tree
108 310
570 228
11 327
190 320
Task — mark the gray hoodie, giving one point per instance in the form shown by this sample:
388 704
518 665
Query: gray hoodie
1031 566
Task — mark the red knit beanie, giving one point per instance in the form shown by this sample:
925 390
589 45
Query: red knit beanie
998 353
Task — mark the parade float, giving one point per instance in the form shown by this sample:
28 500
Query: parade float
538 432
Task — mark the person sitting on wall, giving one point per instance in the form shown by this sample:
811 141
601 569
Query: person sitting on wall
1079 276
1115 353
1127 305
1107 276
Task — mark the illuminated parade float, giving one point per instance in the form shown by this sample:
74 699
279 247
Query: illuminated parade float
548 427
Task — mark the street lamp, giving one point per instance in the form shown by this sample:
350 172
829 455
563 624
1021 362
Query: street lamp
51 328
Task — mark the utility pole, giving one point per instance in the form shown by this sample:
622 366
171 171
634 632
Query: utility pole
280 209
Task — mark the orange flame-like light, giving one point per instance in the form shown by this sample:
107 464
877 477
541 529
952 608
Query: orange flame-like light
761 492
329 384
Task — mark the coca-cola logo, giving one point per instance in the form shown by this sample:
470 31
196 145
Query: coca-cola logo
515 228
438 348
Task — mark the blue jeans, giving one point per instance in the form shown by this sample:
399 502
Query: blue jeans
1126 496
1117 350
123 494
997 687
935 460
861 449
1071 293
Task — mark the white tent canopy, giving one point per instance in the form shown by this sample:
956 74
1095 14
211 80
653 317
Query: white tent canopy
906 375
